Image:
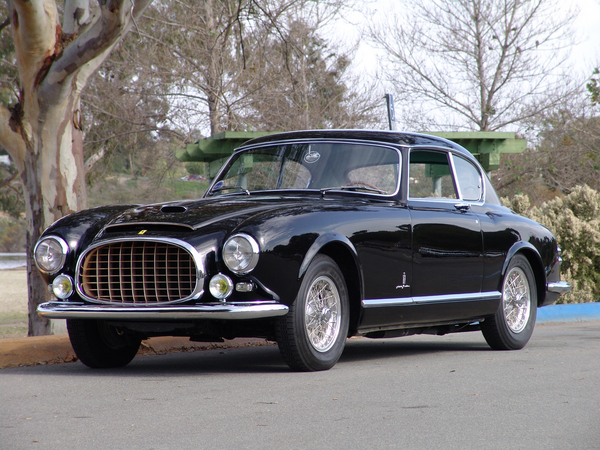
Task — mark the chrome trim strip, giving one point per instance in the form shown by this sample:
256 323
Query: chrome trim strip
221 311
404 301
482 193
198 260
383 302
470 297
559 287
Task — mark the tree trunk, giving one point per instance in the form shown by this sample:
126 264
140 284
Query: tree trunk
54 185
42 133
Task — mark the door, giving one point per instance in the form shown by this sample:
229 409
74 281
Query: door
447 239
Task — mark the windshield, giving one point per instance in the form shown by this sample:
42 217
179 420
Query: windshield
320 166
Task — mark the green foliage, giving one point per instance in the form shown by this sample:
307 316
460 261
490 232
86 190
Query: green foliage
123 190
11 200
195 168
178 189
12 235
575 221
593 87
11 192
8 68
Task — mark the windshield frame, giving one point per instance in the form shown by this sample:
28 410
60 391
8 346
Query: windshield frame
214 186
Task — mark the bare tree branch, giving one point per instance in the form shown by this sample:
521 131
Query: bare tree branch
481 63
9 180
5 23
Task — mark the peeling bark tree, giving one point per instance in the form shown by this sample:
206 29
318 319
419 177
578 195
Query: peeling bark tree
42 132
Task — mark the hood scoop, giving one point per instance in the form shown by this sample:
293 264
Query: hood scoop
173 209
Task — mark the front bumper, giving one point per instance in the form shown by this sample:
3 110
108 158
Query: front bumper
221 311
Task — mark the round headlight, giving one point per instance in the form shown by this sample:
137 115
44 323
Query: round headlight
240 253
62 286
50 254
220 286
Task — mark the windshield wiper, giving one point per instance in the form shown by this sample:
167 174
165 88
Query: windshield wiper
227 188
353 187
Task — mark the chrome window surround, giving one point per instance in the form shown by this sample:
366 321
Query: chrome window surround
453 170
225 166
198 258
455 175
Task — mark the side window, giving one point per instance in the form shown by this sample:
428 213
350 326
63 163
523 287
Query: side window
430 175
468 178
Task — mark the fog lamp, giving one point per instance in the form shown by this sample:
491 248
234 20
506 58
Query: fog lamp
62 286
220 286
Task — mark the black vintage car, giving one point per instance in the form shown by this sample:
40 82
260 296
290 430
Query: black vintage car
306 238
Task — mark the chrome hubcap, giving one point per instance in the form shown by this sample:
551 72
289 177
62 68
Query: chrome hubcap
516 299
322 314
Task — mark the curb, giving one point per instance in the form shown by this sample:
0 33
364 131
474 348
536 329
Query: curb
573 312
55 349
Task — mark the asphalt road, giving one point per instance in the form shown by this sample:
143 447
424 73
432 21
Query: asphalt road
422 392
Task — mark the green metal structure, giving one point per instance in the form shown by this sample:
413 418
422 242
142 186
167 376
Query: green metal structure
486 146
216 149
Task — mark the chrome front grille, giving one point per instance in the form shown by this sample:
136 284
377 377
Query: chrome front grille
138 272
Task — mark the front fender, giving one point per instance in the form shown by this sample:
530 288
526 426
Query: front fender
79 229
321 242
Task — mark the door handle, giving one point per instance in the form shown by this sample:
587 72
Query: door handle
463 207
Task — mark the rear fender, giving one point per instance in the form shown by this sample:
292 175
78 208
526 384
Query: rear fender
535 260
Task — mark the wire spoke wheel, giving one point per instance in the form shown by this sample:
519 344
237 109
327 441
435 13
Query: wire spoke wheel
322 314
516 300
313 334
512 325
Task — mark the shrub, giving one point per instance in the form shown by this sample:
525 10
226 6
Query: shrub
575 221
12 235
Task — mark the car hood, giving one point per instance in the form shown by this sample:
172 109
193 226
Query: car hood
200 213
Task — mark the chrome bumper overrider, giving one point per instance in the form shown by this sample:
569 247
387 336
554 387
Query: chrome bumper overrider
232 311
559 287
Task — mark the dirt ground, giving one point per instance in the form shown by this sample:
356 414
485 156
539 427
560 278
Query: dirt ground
13 303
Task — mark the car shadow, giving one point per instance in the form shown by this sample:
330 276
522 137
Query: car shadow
266 358
371 349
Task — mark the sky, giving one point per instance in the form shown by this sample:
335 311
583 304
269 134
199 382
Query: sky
585 55
367 61
588 24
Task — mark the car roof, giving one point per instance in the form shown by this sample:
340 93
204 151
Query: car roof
390 137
